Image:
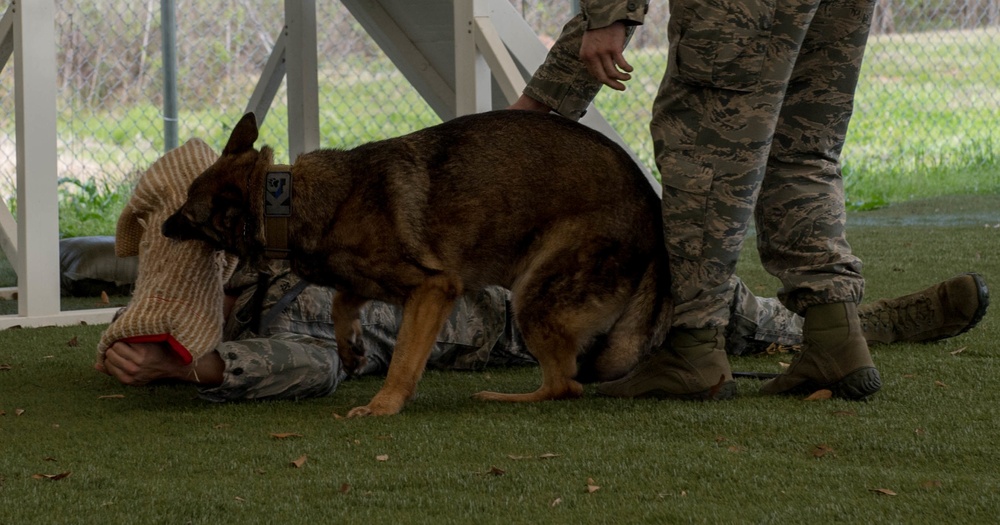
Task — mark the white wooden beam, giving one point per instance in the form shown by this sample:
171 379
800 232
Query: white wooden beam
491 47
269 82
301 72
472 74
408 58
35 117
6 36
8 226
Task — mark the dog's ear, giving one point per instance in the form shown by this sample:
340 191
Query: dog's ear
243 136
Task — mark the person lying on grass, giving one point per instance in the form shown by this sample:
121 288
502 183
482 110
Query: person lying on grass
278 340
240 333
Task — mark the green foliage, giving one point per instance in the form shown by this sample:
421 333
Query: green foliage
90 207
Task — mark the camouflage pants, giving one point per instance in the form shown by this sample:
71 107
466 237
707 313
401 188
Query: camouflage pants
755 112
295 355
751 115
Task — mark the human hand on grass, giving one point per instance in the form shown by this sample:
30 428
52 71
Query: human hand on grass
137 364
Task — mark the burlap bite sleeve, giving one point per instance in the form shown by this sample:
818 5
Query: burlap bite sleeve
178 297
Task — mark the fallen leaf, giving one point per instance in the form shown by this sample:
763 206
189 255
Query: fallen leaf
684 493
239 499
3 412
542 456
299 462
285 435
884 492
345 488
337 416
382 457
49 458
931 484
112 396
104 297
919 431
384 438
496 471
736 448
73 342
940 384
555 502
4 368
592 489
822 450
719 439
959 351
819 395
784 364
220 426
52 477
18 411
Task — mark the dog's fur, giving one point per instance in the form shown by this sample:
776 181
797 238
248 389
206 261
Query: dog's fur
546 207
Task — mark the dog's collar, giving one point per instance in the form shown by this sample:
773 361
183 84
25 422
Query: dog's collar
277 210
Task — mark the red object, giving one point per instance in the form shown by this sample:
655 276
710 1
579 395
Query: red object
163 338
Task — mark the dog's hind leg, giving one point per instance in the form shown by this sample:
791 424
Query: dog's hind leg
424 313
561 303
556 350
345 314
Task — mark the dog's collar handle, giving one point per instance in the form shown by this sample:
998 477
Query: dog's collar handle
277 210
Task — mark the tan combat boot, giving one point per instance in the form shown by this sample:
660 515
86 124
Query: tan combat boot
835 357
693 366
944 310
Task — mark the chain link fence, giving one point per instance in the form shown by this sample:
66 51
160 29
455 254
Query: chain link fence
928 103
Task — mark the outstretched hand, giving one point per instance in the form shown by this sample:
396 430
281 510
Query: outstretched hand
138 364
601 52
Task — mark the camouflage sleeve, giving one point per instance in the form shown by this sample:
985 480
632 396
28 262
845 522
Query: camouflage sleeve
562 82
602 13
758 322
282 366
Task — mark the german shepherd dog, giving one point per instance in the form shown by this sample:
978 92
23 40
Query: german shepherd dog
541 205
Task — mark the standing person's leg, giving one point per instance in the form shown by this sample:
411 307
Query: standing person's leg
713 120
801 216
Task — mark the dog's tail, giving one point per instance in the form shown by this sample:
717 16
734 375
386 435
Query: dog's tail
642 326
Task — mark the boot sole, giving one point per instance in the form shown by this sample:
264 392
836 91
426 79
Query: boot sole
855 386
725 391
858 385
983 295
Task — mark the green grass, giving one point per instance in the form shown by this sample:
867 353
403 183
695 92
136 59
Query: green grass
159 455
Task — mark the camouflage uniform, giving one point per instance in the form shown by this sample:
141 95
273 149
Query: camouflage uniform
295 355
753 108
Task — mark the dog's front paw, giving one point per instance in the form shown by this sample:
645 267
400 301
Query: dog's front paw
360 412
383 404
